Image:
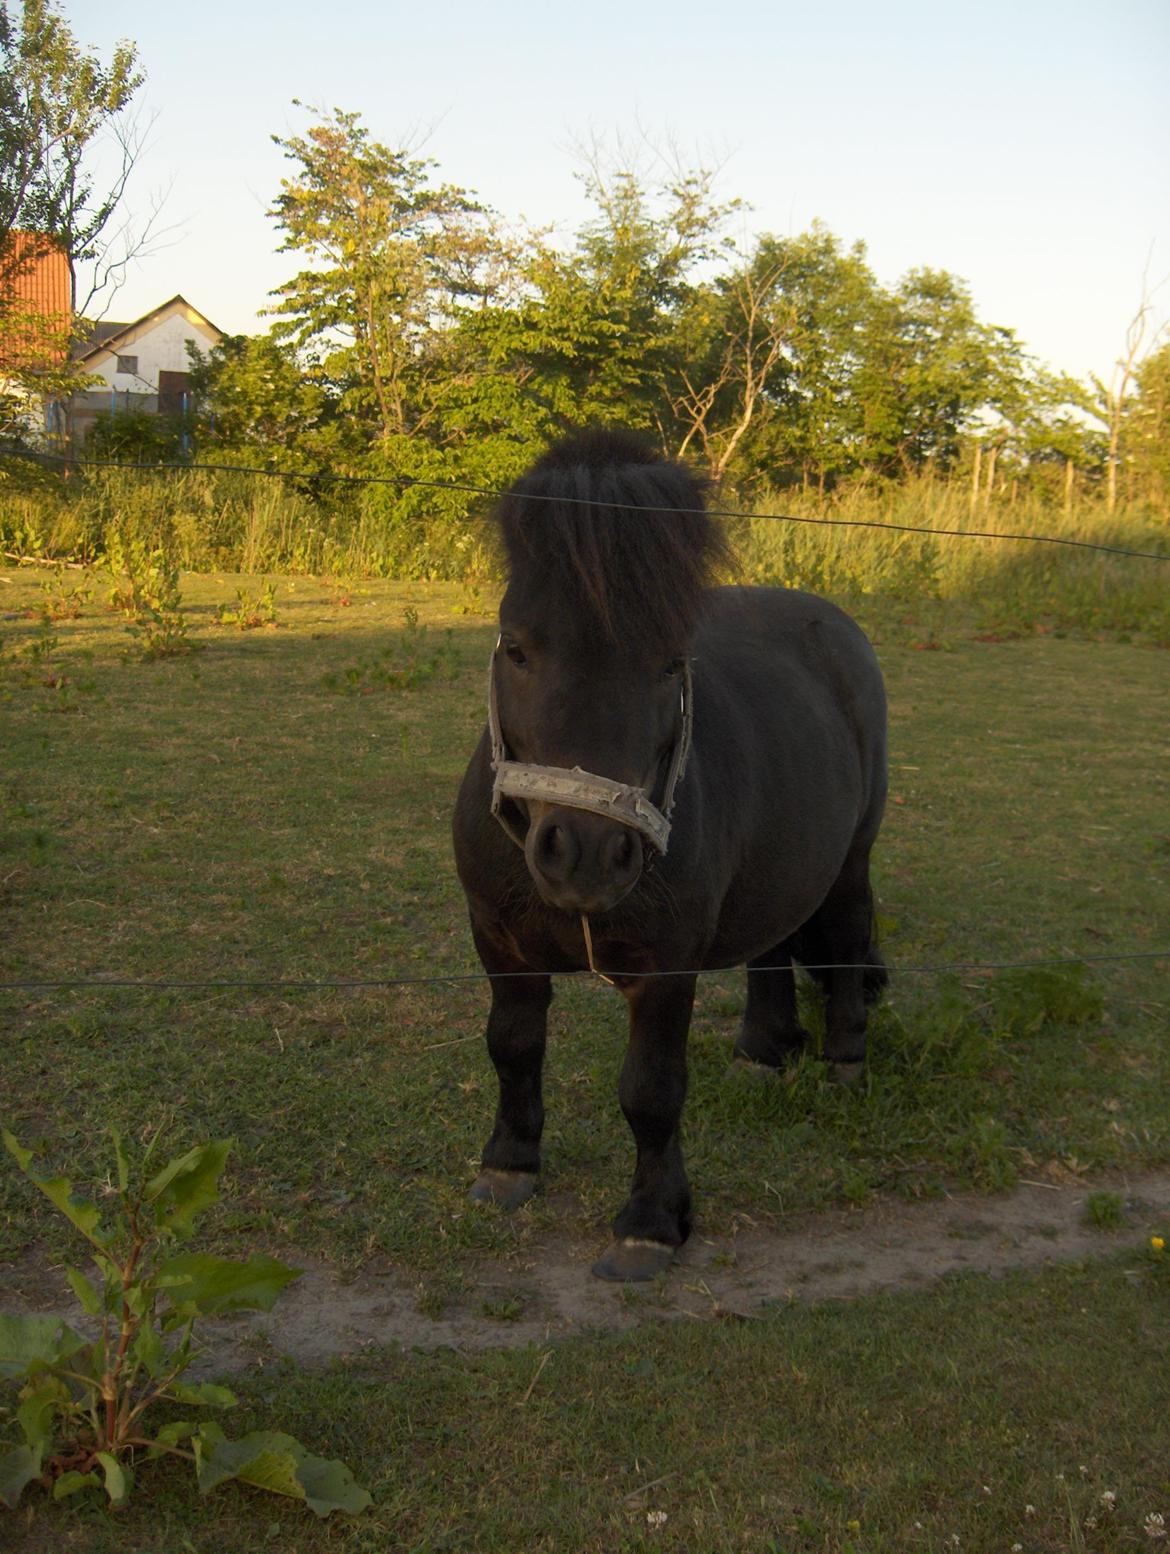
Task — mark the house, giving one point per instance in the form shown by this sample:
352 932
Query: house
140 366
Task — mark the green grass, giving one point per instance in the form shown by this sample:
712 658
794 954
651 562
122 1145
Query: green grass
277 806
268 809
991 1412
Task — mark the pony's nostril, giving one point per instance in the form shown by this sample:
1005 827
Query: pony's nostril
556 851
622 855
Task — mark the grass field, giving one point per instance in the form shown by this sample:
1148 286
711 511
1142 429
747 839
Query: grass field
276 807
973 1416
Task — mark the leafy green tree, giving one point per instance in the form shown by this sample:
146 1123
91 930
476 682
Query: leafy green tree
931 369
253 400
591 334
826 295
392 260
635 262
1047 439
1145 437
731 348
55 99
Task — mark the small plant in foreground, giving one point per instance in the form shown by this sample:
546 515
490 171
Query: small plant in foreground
1157 1260
146 591
252 610
83 1402
410 661
62 599
1105 1210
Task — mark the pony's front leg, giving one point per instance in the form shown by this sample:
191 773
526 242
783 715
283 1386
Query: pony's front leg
657 1216
516 1031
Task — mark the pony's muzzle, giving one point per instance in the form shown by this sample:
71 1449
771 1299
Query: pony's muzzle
581 862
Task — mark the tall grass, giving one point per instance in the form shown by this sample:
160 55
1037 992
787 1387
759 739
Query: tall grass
1009 582
229 521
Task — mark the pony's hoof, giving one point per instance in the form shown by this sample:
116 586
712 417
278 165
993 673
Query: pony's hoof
742 1064
846 1073
508 1189
633 1262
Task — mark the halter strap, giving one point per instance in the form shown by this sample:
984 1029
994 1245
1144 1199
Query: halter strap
576 788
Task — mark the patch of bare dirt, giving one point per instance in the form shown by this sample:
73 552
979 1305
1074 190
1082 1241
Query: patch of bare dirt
551 1295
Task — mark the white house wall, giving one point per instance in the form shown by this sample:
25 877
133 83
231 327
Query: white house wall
161 347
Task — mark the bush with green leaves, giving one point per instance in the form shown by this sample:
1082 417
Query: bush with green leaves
411 659
146 590
138 437
84 1401
251 610
63 598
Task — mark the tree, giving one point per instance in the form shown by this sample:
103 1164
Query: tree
931 373
252 399
817 429
1145 440
592 334
634 268
55 100
729 341
392 259
1111 402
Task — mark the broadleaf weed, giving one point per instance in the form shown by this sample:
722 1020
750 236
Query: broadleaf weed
84 1401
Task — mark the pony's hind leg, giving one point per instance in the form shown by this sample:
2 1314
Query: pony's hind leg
771 1033
839 943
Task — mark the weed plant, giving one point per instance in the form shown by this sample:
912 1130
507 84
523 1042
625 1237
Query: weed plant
251 609
84 1402
146 590
409 660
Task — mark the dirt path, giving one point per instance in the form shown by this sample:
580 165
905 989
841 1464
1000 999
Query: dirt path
551 1295
888 1245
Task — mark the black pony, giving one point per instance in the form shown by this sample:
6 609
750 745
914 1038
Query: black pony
674 777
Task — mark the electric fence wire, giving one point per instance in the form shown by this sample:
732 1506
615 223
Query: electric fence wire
357 984
408 481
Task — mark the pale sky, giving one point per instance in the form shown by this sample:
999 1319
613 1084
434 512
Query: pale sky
1023 146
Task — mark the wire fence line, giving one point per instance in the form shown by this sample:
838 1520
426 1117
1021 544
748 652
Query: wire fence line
436 979
405 482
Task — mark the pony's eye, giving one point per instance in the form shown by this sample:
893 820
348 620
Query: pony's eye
515 654
674 669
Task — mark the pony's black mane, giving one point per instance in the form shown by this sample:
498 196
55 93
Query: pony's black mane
606 528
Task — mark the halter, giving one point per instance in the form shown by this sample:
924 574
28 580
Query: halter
575 788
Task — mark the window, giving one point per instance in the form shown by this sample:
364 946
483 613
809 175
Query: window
128 364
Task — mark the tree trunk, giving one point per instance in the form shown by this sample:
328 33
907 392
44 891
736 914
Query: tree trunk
989 482
976 468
